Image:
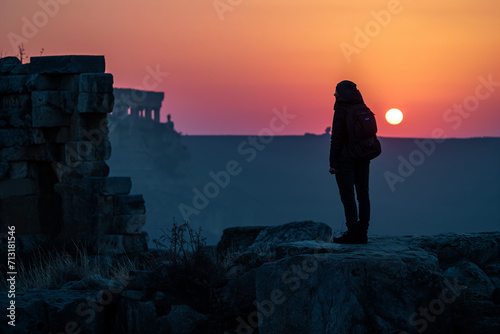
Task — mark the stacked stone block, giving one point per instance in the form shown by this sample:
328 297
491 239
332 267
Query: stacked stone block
53 146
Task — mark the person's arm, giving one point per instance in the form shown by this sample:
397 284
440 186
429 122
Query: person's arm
339 133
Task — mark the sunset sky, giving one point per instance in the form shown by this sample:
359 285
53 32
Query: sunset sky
231 62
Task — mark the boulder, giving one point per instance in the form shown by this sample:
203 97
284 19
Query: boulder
238 238
474 310
239 294
295 231
59 311
356 289
136 317
479 248
182 319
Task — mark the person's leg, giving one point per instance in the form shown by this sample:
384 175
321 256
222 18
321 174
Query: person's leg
361 182
345 182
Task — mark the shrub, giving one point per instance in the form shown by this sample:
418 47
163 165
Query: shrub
190 272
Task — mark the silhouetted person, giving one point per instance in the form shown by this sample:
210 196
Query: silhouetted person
350 174
170 124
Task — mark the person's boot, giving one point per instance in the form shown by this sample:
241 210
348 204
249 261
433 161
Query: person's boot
356 234
362 232
348 237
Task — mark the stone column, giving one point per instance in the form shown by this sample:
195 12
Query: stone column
157 114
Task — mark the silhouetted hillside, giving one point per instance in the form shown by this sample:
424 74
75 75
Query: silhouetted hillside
454 186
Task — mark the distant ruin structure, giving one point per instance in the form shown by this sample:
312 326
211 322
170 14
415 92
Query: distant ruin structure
141 143
54 184
139 103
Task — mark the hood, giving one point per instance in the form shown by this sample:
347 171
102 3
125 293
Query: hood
347 92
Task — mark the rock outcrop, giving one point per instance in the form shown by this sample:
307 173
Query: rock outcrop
53 147
435 284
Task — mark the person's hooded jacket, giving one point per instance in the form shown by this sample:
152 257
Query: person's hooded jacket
346 95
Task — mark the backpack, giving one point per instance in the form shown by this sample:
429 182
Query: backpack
362 128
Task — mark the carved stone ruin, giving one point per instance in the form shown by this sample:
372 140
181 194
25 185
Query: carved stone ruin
140 103
53 146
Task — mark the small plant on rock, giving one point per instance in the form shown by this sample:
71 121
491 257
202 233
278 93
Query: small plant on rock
191 272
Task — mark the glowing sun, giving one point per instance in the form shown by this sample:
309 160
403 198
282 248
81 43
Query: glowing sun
394 116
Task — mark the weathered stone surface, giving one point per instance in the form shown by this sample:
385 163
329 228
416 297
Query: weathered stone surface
479 248
128 224
133 295
49 82
7 64
67 64
295 231
95 103
182 319
14 84
16 187
384 286
475 282
96 83
238 238
15 118
15 137
93 282
90 169
45 152
50 135
4 168
240 293
493 269
18 170
79 169
17 101
93 127
56 311
86 151
53 147
137 317
21 69
474 299
48 117
62 101
130 205
346 292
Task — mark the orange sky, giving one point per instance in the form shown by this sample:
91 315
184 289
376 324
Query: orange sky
229 67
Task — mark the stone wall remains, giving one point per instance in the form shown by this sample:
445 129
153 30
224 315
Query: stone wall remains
54 184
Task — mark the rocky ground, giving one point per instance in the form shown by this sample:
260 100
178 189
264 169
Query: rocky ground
287 279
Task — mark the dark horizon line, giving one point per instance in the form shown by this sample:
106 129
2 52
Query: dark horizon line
328 135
